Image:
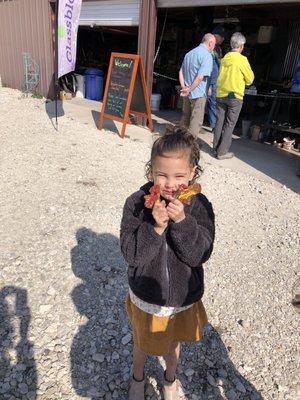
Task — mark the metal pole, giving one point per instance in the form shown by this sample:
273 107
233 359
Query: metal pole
56 61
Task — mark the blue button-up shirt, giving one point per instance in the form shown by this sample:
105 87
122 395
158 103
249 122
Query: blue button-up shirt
197 62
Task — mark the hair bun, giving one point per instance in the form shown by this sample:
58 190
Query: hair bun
170 128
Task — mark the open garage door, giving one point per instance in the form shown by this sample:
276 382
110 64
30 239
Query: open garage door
199 3
110 13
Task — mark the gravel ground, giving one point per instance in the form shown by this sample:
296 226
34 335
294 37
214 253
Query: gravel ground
63 329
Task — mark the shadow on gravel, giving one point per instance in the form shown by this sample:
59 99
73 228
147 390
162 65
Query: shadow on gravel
97 359
18 375
216 377
206 147
108 125
51 108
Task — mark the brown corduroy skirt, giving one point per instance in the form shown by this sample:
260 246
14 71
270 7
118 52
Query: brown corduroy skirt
156 335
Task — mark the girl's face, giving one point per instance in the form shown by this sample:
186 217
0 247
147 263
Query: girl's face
171 170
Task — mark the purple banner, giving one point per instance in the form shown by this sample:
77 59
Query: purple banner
67 26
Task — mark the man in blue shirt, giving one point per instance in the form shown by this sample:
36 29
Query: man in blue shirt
193 76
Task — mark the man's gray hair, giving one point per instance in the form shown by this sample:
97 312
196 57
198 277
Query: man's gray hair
237 40
207 37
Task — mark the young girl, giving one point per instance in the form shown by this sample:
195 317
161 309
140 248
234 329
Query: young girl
165 248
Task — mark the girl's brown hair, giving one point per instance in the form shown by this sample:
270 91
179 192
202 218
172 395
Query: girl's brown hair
178 141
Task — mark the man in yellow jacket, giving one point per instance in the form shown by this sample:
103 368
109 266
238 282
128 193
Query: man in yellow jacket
235 74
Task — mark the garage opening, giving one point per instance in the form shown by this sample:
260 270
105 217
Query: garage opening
104 27
273 49
95 44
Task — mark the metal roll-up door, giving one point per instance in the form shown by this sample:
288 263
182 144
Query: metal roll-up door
200 3
110 13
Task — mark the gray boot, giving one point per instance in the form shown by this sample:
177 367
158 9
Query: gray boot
225 156
136 390
171 390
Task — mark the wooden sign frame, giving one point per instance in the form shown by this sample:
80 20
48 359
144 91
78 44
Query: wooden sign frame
137 68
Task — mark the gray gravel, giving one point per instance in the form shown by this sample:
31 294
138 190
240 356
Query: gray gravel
63 329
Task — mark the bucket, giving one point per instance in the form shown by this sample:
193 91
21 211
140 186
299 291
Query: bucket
80 85
93 84
246 123
155 101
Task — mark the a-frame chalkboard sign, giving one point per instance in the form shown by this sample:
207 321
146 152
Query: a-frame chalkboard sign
125 91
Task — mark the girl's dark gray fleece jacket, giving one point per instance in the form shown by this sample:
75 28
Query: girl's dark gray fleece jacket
167 269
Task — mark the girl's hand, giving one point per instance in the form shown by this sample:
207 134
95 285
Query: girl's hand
160 215
175 211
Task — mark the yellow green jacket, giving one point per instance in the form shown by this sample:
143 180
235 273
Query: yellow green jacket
235 73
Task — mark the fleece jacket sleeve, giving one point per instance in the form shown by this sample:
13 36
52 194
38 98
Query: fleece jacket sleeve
140 244
194 236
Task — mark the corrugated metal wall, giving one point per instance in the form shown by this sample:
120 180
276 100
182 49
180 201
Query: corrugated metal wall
110 12
25 26
293 51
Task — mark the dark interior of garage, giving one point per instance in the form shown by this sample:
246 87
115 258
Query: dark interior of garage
273 50
184 28
95 44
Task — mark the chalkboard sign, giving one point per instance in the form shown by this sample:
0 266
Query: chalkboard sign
119 85
125 91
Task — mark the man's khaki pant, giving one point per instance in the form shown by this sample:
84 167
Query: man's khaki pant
193 114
